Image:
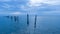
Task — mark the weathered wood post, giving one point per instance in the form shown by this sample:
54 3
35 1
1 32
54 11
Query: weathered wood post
35 21
27 19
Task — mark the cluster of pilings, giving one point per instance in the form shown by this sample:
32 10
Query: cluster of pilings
16 20
35 20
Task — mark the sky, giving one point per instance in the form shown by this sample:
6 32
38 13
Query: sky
30 6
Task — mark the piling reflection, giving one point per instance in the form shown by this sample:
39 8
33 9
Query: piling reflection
35 21
31 24
28 32
16 18
14 22
27 19
11 17
7 16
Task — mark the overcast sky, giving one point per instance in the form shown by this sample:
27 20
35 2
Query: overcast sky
30 5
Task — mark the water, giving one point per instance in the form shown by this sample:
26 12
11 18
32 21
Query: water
44 24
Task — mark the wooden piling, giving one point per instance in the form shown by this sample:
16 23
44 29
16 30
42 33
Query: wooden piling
35 21
27 19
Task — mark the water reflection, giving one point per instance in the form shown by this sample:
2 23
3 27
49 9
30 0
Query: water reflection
35 21
33 24
27 19
11 17
7 16
16 18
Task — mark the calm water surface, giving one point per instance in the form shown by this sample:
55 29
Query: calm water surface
45 24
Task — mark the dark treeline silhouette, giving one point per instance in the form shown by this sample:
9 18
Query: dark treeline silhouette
28 19
35 21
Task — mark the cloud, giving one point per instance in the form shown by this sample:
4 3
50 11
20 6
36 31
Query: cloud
8 0
6 5
41 5
52 13
40 2
5 0
30 5
13 0
16 13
